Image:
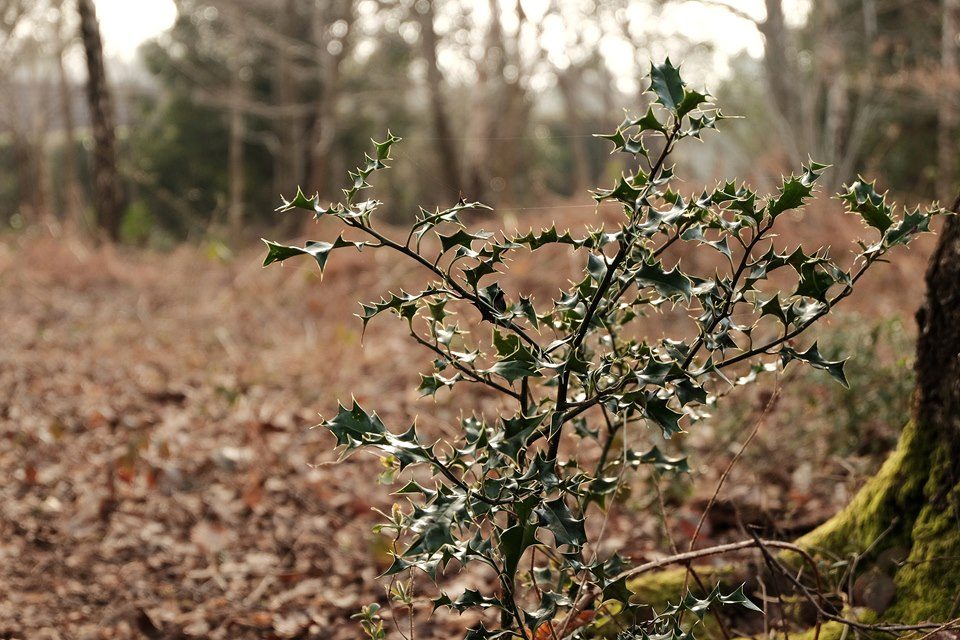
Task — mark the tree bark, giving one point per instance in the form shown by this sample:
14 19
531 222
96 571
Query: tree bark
444 142
333 51
486 101
72 192
108 191
910 511
566 82
780 72
235 152
947 107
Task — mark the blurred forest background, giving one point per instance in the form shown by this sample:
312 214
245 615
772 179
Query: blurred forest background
242 100
156 390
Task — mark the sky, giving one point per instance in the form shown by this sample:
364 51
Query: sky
125 24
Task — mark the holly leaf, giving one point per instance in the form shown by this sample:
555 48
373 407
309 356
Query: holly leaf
670 284
353 427
862 198
738 597
666 83
814 358
795 190
557 518
320 251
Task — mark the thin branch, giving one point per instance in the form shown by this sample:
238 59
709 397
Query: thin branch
472 375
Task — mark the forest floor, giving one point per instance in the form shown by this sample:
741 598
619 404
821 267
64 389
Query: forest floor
161 480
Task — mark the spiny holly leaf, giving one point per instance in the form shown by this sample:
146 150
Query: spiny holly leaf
516 433
550 601
660 461
666 83
626 191
383 148
691 100
862 198
649 122
738 597
814 282
513 370
514 540
494 296
461 238
469 599
515 360
663 416
617 138
813 357
427 220
429 385
795 190
353 427
403 304
913 222
557 518
526 309
480 632
773 307
319 250
545 237
301 201
596 266
670 284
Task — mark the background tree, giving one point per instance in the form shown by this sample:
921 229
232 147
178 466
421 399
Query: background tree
108 190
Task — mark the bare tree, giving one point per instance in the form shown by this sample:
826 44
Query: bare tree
72 192
569 82
445 144
333 37
236 172
108 191
947 104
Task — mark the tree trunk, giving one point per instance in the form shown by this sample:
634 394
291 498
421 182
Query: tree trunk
487 107
947 107
333 50
781 75
72 192
445 144
566 82
235 160
287 159
916 495
108 192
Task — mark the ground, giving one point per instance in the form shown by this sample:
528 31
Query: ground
161 478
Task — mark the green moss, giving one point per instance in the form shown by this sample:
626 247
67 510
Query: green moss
828 631
914 496
913 502
892 497
663 587
928 582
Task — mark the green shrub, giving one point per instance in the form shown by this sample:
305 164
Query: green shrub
137 224
578 369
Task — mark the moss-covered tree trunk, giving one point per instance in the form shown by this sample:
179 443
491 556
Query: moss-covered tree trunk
912 507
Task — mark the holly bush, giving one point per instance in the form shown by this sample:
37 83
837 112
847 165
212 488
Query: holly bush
576 368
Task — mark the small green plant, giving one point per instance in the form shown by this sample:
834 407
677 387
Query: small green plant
507 493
